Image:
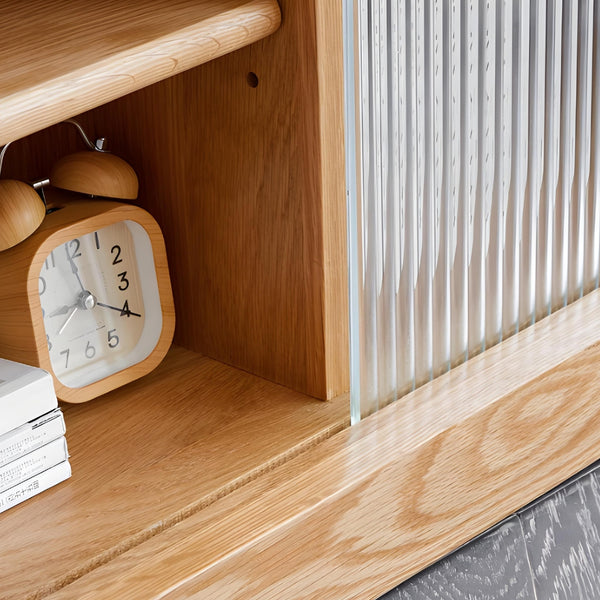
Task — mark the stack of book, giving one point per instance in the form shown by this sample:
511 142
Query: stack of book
33 448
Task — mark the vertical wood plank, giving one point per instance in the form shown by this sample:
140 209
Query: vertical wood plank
248 182
333 197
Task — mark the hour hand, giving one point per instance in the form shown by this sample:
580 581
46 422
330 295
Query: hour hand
85 300
61 310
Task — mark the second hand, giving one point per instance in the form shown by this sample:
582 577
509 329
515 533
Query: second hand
75 309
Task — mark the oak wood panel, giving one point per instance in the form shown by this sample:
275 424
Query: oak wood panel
150 454
379 501
61 58
329 34
248 186
550 549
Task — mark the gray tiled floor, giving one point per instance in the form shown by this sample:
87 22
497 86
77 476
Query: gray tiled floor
550 550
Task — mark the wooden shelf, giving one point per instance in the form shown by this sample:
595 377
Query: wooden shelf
245 178
149 455
379 501
62 58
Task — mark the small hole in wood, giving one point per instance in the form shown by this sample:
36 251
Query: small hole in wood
252 79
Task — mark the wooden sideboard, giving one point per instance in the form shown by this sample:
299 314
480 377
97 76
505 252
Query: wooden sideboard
231 470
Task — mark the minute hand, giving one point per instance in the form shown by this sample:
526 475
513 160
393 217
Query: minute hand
74 268
124 311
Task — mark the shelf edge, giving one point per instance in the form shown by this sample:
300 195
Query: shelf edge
80 90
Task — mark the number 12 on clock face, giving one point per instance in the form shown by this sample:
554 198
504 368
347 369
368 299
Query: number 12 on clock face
100 303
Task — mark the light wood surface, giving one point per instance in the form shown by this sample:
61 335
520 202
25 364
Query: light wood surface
61 58
247 184
175 486
95 174
22 333
329 65
21 212
257 239
377 502
550 549
148 456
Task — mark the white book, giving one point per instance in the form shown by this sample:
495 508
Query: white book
32 435
25 394
34 485
33 463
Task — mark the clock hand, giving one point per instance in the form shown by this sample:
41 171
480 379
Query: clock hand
75 309
74 268
124 311
85 300
62 310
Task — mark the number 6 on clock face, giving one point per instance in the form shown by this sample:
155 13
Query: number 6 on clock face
100 303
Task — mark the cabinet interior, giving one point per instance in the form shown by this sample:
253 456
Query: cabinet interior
241 162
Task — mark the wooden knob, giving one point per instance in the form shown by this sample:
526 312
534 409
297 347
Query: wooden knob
95 174
21 212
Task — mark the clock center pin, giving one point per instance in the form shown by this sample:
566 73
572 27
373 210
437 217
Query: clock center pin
87 300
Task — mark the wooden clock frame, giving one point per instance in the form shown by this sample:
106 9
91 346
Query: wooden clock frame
22 332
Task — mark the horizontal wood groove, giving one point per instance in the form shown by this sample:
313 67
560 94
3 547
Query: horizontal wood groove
120 47
152 454
381 500
177 517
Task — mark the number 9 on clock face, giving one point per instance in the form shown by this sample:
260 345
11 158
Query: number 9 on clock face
100 303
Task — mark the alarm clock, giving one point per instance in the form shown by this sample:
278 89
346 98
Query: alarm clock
86 296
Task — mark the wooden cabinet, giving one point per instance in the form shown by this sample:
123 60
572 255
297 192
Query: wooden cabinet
241 161
230 471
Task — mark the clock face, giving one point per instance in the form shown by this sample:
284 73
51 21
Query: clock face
100 303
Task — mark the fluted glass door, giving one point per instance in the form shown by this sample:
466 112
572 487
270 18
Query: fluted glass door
472 137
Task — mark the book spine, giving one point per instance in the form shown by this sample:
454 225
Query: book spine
34 485
33 463
31 436
25 394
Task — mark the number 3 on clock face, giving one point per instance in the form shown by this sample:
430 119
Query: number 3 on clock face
100 303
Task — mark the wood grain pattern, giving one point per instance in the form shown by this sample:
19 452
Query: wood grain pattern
21 212
248 186
549 549
59 59
149 455
22 331
95 174
329 64
380 501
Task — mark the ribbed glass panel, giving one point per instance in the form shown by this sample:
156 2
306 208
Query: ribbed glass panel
473 161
